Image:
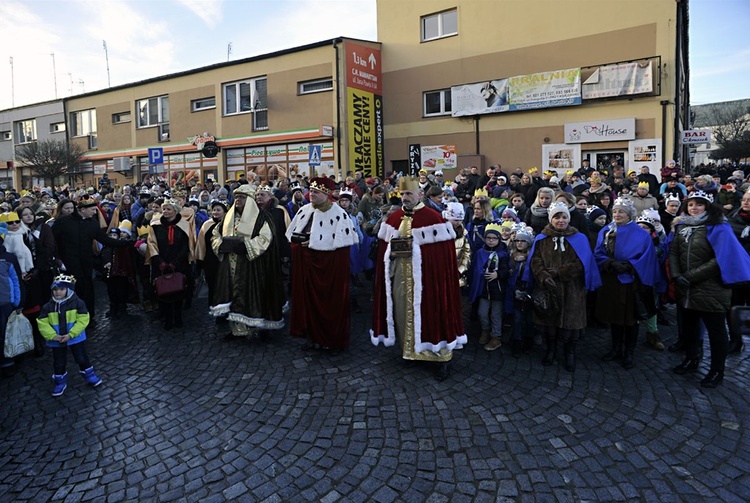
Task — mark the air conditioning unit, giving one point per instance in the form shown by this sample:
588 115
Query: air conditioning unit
122 164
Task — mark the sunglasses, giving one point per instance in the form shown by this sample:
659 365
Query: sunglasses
14 222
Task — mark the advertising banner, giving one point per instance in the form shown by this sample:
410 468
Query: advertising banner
600 130
546 89
441 157
645 152
481 98
561 157
364 105
622 79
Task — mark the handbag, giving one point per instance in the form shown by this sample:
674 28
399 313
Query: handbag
19 338
644 302
545 302
170 285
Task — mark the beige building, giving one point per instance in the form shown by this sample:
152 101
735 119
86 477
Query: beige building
270 115
530 83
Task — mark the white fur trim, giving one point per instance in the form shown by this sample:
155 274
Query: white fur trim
256 322
330 230
219 310
436 233
387 341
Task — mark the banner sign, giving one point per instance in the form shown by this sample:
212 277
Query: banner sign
622 79
482 98
600 130
546 89
441 157
696 136
364 104
415 158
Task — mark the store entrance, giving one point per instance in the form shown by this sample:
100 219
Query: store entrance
603 160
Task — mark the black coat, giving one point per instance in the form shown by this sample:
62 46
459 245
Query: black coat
74 238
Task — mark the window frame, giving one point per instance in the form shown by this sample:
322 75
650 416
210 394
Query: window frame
75 118
58 129
441 30
159 111
443 112
6 135
301 86
119 117
260 113
20 134
194 103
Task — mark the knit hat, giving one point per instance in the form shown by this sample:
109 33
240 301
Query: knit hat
454 211
126 226
594 212
557 207
625 205
526 233
510 213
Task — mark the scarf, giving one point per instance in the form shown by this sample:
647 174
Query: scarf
699 219
538 211
15 245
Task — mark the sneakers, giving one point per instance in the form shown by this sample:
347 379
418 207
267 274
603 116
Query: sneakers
90 377
652 338
493 344
485 337
60 382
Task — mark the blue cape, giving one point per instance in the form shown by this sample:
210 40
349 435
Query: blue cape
581 246
477 283
733 260
634 245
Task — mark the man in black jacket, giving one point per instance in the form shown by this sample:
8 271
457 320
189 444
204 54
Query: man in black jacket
74 236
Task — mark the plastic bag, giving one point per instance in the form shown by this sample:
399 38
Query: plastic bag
19 337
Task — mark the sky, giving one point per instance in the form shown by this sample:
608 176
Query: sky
149 38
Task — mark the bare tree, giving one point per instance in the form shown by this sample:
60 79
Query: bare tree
50 159
730 125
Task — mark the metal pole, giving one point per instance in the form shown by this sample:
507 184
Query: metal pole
106 56
12 85
54 72
229 50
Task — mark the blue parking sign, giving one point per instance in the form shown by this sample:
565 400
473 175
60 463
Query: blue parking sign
156 155
315 153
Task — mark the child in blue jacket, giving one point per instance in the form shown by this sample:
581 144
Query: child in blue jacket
62 322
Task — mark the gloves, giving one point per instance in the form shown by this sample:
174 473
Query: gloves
239 248
682 282
620 266
550 283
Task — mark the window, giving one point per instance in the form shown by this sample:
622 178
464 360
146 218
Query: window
203 104
442 24
121 118
437 102
153 111
5 136
316 86
26 131
248 96
57 127
83 123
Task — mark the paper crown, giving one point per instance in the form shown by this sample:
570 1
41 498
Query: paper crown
423 172
264 188
65 280
570 172
550 172
454 211
346 192
295 186
493 227
643 219
672 198
533 170
408 183
11 216
481 193
699 194
394 193
322 184
643 185
143 230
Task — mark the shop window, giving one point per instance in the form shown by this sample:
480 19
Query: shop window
153 111
203 104
5 136
316 86
57 127
121 118
439 25
437 103
83 122
26 131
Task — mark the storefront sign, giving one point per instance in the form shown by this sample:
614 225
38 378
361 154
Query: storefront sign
210 149
415 158
441 157
481 98
200 139
645 153
600 130
546 89
696 136
619 80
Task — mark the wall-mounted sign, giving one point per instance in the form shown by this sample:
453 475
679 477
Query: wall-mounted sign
415 158
561 157
200 140
696 136
600 130
481 98
441 157
326 130
645 153
210 149
619 80
557 88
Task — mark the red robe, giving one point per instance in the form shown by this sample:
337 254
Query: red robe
438 320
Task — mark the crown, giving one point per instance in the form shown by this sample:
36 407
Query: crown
173 202
646 220
295 186
394 193
643 185
314 185
64 278
621 201
143 230
550 172
570 172
346 192
533 170
481 193
494 226
672 198
408 183
264 188
699 194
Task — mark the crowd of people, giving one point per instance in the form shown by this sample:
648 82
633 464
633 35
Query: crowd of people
539 256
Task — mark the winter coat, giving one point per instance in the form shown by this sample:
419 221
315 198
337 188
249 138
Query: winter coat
536 222
463 256
67 316
177 252
740 222
551 259
692 256
74 236
644 203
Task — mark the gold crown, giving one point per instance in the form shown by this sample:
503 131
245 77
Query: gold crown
481 193
143 230
569 172
394 193
408 183
264 188
493 227
533 170
643 185
314 185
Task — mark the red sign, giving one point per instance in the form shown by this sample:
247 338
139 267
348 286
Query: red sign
363 68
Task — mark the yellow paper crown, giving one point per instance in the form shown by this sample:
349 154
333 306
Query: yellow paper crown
569 172
394 193
481 193
493 227
643 185
143 230
508 224
533 170
408 183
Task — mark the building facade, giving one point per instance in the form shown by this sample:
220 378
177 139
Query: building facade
533 83
297 111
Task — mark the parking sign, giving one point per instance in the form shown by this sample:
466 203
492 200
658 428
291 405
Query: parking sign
156 155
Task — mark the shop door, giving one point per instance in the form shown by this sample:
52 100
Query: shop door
602 160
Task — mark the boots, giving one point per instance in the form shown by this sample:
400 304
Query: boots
735 345
443 371
654 341
60 382
616 352
686 366
90 377
570 356
712 379
550 357
631 339
484 338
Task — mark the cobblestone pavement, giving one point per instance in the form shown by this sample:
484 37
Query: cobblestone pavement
190 416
